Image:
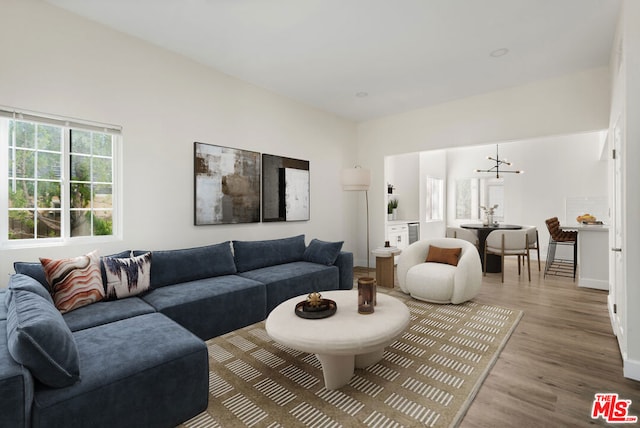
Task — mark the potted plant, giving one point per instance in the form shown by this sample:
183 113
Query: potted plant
392 207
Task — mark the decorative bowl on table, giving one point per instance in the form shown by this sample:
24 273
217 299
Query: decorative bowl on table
315 307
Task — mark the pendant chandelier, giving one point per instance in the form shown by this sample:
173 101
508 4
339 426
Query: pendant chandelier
499 162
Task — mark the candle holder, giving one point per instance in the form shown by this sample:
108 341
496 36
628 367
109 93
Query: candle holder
366 295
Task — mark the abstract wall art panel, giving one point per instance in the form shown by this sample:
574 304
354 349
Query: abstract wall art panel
227 185
285 189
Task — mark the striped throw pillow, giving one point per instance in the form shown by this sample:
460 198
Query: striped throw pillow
75 282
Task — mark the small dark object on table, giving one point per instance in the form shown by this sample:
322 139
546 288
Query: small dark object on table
315 307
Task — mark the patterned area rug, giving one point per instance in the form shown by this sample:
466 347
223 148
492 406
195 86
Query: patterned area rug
427 377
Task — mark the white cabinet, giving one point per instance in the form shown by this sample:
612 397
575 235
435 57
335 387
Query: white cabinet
398 235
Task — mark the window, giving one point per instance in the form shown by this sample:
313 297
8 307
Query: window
495 196
61 178
435 199
473 193
467 198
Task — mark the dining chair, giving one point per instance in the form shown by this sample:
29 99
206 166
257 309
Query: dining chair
505 243
558 236
534 242
465 234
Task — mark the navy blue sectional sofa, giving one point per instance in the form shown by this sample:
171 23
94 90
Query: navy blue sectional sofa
141 361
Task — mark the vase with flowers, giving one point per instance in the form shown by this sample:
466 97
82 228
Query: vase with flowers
488 214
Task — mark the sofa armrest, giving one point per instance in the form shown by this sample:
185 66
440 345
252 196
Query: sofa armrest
16 387
344 262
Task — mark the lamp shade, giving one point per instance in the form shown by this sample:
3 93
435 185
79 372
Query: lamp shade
356 179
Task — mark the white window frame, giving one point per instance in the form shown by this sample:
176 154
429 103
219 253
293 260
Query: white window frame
434 201
67 124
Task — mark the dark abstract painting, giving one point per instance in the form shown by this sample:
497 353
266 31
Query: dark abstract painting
227 185
285 189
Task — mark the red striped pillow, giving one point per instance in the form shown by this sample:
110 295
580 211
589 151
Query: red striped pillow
75 282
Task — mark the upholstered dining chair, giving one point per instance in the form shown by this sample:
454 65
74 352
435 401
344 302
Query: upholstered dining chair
440 270
557 236
460 233
534 242
508 243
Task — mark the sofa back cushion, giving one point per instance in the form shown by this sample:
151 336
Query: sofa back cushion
190 264
250 255
34 270
39 339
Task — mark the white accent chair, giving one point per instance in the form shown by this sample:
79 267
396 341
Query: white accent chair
508 243
460 233
439 282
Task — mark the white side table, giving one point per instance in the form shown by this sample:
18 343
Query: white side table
384 265
345 340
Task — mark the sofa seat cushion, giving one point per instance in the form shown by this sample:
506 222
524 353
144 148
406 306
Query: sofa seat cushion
294 279
145 371
105 312
212 306
250 255
16 386
190 264
432 282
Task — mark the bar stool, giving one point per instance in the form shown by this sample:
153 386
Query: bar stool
557 236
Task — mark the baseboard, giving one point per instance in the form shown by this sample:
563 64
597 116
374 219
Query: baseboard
614 324
598 284
631 369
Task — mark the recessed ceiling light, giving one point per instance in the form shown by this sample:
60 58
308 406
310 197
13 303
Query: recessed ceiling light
362 94
499 52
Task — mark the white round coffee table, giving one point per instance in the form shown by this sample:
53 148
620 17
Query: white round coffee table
345 340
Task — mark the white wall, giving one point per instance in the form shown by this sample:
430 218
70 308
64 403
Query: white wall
565 105
58 63
403 171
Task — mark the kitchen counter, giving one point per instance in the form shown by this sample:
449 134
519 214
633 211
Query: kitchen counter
593 255
397 222
588 227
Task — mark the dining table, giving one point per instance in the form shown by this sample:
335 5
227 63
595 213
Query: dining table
494 264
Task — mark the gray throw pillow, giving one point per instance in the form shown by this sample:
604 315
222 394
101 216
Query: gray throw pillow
321 252
39 339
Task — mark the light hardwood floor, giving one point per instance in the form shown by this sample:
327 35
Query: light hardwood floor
562 353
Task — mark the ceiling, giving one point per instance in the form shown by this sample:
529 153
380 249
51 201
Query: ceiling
363 59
